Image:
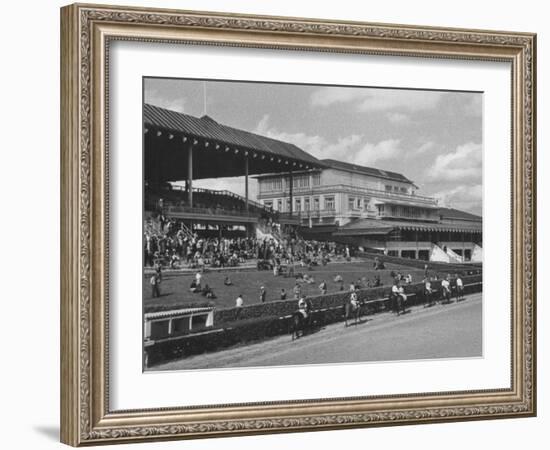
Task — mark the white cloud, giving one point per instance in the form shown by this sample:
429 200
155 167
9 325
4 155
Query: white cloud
353 148
425 147
310 143
466 197
368 100
460 165
398 118
370 154
154 97
327 96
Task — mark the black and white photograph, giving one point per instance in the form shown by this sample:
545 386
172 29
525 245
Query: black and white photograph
292 224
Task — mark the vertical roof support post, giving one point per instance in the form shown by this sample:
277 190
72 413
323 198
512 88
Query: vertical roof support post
416 240
190 174
246 184
463 248
291 192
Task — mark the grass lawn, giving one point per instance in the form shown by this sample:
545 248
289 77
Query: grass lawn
175 286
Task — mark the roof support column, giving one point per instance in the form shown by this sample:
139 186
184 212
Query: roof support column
190 174
290 191
246 182
463 248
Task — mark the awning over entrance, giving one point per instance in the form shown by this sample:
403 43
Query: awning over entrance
374 226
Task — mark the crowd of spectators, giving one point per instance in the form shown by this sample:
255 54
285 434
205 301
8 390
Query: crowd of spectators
175 248
171 244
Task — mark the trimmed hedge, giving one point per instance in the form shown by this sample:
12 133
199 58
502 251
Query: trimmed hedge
286 307
260 321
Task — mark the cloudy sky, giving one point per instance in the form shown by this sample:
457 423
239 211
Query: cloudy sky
432 137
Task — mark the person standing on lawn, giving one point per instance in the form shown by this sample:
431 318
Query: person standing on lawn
262 295
155 285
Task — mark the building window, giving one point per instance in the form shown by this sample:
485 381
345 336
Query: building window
388 188
316 179
366 203
298 205
306 204
279 204
299 181
316 203
404 190
351 203
396 188
329 203
288 205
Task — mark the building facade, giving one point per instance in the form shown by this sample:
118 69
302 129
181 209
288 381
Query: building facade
342 192
374 209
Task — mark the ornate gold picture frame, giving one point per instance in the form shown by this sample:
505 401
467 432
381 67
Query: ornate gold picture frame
87 31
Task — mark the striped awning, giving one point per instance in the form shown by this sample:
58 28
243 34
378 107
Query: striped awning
374 226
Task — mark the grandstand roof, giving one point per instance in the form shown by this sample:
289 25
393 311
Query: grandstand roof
451 213
363 170
219 150
376 226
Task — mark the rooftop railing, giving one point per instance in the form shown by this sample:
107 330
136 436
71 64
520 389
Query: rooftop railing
334 188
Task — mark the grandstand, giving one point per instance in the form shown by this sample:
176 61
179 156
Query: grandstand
182 148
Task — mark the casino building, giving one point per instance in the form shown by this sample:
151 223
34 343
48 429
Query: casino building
375 209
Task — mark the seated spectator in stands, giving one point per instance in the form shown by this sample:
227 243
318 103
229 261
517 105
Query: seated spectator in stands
283 294
338 279
409 279
377 281
174 260
323 287
227 281
200 263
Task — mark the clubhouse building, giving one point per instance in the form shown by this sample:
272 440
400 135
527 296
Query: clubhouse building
375 209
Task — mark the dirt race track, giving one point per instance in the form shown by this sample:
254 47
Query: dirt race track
442 331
